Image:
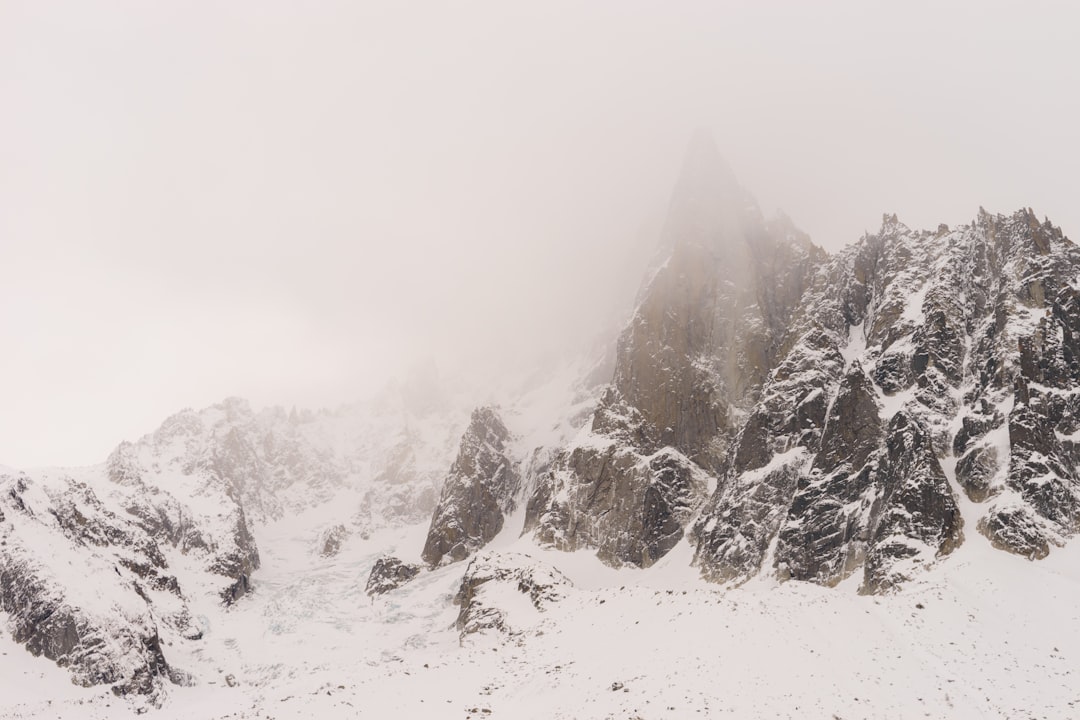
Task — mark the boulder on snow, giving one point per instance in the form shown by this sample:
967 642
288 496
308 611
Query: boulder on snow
490 577
389 573
331 539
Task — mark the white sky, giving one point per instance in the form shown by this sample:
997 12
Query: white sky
292 201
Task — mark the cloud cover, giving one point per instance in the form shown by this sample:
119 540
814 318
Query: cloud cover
294 201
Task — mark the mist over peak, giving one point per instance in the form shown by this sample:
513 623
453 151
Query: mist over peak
291 203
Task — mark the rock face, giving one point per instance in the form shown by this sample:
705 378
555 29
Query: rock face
479 491
826 534
490 577
919 366
707 331
389 573
602 494
917 518
61 548
820 416
331 539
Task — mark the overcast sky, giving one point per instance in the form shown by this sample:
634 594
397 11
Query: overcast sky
293 201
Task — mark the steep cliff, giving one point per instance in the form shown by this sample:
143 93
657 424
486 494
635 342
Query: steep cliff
924 371
478 492
706 332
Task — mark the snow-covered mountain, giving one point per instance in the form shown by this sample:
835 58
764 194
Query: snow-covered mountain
102 566
857 470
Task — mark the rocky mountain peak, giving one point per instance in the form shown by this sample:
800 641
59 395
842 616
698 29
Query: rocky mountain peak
478 492
705 335
938 334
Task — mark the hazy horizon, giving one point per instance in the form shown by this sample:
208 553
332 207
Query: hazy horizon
292 203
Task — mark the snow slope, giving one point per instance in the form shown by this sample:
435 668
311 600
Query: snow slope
987 635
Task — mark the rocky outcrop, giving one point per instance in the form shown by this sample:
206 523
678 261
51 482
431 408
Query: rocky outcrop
917 519
85 573
632 509
826 532
478 493
707 331
389 573
240 560
819 418
490 576
708 327
59 547
933 351
331 539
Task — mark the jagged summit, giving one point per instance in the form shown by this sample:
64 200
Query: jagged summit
478 492
704 336
825 397
939 325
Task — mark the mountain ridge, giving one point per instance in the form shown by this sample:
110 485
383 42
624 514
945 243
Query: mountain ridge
774 412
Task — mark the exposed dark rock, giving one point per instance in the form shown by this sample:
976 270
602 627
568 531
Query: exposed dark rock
479 491
975 425
389 573
740 522
853 429
826 532
1017 529
797 412
112 641
632 509
917 519
542 584
976 470
708 328
240 561
969 338
1041 476
163 517
331 539
706 333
